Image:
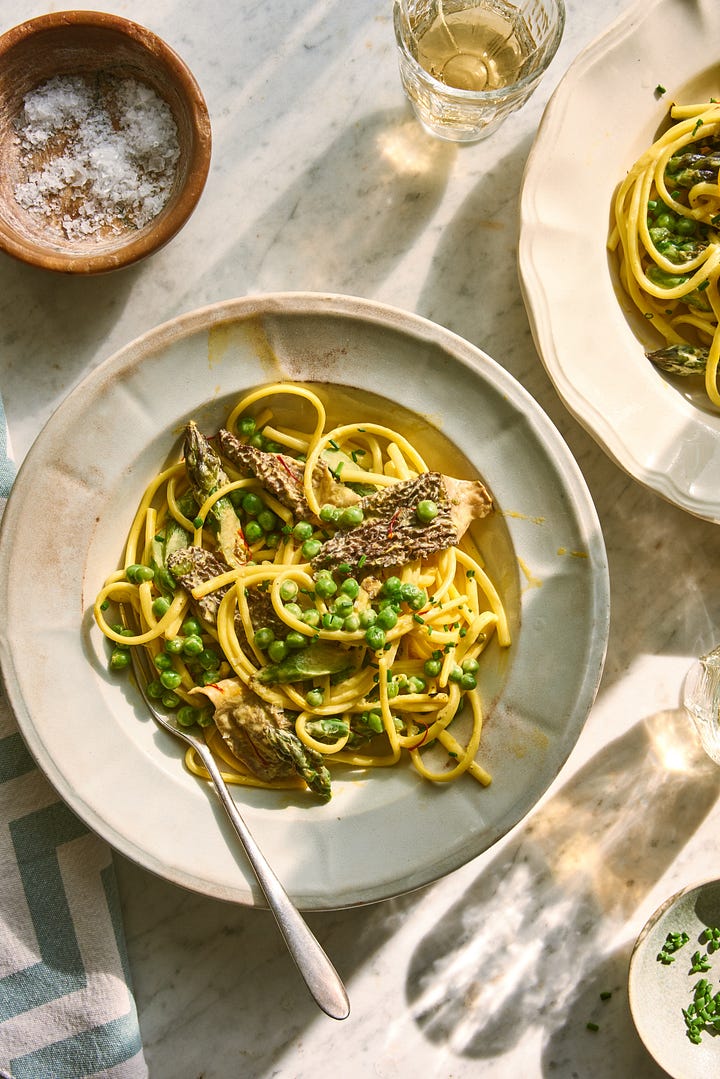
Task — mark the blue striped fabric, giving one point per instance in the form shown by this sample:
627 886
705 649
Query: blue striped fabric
66 1004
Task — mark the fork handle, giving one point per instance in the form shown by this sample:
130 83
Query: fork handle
319 974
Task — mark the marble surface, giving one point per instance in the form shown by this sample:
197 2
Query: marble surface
321 179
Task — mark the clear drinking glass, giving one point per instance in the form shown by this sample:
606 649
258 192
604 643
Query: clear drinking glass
465 65
701 699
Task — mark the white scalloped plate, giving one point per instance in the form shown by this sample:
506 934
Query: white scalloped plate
604 113
64 528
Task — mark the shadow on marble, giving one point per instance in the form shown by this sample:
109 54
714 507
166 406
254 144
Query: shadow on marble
75 312
574 1050
345 223
473 287
581 868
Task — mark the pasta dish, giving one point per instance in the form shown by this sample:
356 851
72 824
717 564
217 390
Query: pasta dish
309 598
667 237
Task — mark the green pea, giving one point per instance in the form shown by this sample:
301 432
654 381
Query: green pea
193 645
373 720
332 621
155 689
415 597
252 504
137 573
367 617
393 587
264 637
426 511
119 659
296 640
246 426
162 662
209 678
314 698
288 590
253 532
208 659
416 685
170 679
350 587
456 674
351 517
174 646
351 623
294 609
273 447
468 681
342 605
311 617
256 439
329 514
392 689
267 520
272 539
160 606
375 637
685 226
470 665
310 548
170 699
190 627
187 716
432 667
325 587
302 531
387 618
277 650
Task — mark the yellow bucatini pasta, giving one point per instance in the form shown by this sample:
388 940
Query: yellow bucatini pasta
307 600
666 235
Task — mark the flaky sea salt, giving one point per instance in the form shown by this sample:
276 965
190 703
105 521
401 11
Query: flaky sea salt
99 155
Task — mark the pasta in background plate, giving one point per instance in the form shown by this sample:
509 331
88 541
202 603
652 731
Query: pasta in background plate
667 237
310 598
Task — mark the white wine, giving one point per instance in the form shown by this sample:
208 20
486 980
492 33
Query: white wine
479 46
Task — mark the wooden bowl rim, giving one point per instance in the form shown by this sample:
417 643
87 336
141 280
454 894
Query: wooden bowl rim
170 220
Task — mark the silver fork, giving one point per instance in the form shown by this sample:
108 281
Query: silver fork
318 972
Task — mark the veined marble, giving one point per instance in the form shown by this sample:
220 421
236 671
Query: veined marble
322 179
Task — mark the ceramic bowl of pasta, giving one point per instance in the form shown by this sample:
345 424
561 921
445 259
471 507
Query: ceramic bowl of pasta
620 247
384 611
105 139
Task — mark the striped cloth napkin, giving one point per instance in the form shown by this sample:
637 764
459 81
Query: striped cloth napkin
66 1004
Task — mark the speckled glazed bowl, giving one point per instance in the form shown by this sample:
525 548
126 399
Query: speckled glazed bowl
100 49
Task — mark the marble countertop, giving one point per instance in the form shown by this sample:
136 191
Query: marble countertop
322 180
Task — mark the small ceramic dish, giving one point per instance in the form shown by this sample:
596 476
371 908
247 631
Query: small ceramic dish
63 230
665 973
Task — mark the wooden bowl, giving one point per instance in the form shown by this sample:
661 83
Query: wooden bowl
102 47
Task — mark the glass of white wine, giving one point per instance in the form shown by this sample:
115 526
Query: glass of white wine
465 65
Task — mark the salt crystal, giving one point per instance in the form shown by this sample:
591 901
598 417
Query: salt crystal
99 155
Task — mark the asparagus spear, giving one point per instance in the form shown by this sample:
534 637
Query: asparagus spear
206 475
319 658
680 359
